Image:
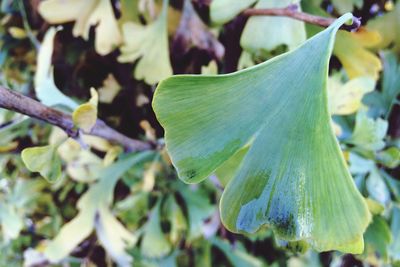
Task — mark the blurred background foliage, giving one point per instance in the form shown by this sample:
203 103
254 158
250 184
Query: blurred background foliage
90 211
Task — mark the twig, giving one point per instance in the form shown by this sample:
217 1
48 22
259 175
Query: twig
14 101
293 11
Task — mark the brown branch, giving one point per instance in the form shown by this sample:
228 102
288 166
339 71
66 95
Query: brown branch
17 102
293 11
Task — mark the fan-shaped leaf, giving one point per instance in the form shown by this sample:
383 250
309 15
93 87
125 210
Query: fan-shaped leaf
43 160
294 177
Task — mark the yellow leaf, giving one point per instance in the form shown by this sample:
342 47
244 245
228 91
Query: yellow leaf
345 98
86 13
17 33
388 25
149 44
350 48
85 115
110 89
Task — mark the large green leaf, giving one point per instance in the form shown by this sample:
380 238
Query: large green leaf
294 177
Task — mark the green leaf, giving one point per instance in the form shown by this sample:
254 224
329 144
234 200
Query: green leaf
176 218
44 160
389 157
149 44
388 25
394 248
154 244
344 6
95 201
369 133
266 33
11 223
294 177
377 188
45 88
237 256
222 11
386 99
199 209
378 237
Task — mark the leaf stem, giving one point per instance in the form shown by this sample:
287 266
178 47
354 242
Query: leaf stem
294 12
17 102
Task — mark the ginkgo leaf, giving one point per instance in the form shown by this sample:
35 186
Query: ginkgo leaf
237 255
357 60
369 133
388 25
110 89
85 116
96 200
222 11
344 6
149 44
389 157
11 223
384 100
377 238
352 48
394 248
199 209
266 33
154 243
45 88
294 177
43 160
344 99
86 13
114 237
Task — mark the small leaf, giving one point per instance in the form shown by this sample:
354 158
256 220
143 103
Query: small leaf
86 14
110 89
192 32
45 88
199 210
11 223
85 116
377 188
377 238
176 218
369 133
98 198
43 160
385 100
388 25
149 44
17 33
237 256
389 157
266 33
346 98
294 177
114 237
344 6
351 50
222 11
394 248
154 244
